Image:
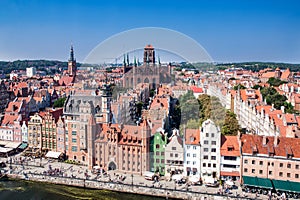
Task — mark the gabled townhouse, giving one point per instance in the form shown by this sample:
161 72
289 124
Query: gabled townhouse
24 130
192 167
157 149
210 141
174 155
230 164
35 131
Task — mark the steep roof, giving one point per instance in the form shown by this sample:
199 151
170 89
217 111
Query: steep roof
230 146
192 136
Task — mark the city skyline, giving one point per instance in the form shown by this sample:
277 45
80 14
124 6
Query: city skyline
231 31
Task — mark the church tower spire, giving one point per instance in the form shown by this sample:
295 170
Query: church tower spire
72 63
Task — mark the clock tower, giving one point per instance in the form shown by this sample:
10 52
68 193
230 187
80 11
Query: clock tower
72 63
149 54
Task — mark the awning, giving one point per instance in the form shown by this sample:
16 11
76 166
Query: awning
5 150
53 154
13 145
257 182
230 173
23 146
288 186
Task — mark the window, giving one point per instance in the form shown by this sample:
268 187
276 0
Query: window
176 155
188 147
213 150
245 170
253 162
162 153
74 140
188 155
209 165
296 175
194 155
213 158
162 161
253 171
207 134
261 162
297 166
171 154
204 164
157 160
157 146
188 162
270 172
205 141
205 149
194 162
212 135
205 157
194 147
288 175
281 165
260 171
74 148
213 142
73 132
173 148
288 165
246 161
214 165
157 153
280 174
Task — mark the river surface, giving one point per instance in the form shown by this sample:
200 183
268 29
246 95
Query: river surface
19 190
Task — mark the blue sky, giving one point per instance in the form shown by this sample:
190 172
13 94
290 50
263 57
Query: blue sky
245 30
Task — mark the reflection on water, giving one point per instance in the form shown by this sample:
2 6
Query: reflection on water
17 189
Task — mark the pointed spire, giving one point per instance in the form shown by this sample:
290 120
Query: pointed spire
134 61
127 59
124 61
71 54
158 60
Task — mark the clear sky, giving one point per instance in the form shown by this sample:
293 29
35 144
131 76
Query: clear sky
230 30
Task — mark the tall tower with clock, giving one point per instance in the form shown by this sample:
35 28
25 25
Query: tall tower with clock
72 63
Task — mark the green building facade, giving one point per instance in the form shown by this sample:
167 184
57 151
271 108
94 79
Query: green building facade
158 144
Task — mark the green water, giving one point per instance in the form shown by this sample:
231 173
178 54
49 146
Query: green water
17 189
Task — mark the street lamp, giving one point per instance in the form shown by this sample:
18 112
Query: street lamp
132 180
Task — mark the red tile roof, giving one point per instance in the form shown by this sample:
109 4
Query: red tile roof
230 146
192 136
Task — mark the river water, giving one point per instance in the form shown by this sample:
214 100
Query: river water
19 190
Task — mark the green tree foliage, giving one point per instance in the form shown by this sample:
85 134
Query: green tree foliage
239 86
231 125
275 82
257 87
272 97
59 102
189 107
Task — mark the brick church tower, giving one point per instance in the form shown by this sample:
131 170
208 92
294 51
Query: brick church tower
149 54
72 64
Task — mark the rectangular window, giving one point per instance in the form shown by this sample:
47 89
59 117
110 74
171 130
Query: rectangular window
260 171
171 154
73 132
296 175
280 174
74 140
253 162
261 162
188 162
297 166
213 142
205 149
176 155
74 148
173 148
214 165
205 157
207 134
245 170
194 147
162 161
204 164
253 171
246 161
194 162
213 150
288 165
157 160
270 172
194 155
288 175
212 135
205 141
281 165
209 165
213 158
157 153
188 155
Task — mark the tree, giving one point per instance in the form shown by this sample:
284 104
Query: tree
59 102
275 81
239 86
231 125
257 87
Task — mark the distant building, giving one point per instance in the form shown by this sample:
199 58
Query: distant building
31 71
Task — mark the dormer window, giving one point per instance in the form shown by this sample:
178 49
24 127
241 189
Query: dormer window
230 148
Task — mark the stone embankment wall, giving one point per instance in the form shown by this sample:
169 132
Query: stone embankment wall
120 187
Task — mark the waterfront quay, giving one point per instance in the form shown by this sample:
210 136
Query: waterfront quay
51 171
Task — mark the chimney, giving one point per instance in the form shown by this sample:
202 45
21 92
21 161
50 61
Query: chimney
282 109
276 141
264 140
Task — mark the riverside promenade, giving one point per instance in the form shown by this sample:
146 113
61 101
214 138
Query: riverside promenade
79 176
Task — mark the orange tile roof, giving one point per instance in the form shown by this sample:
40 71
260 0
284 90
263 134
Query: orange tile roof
268 75
250 142
192 136
230 146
